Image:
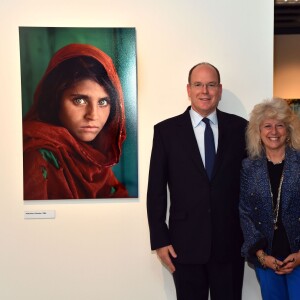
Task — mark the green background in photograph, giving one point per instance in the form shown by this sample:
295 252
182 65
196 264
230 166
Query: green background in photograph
38 45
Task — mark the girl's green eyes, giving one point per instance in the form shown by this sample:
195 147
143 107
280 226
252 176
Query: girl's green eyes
79 101
82 101
103 102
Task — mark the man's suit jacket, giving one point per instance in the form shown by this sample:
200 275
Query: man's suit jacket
203 215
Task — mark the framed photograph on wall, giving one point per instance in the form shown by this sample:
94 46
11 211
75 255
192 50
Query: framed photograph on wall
79 108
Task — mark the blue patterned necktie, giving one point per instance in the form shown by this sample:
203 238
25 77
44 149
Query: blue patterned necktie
210 150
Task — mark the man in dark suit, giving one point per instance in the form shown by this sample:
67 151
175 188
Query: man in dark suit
200 243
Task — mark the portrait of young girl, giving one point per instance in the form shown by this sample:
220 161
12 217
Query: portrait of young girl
74 130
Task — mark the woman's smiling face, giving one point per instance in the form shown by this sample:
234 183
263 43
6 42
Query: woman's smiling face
273 134
84 109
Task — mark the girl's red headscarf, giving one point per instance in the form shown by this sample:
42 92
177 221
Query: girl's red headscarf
109 140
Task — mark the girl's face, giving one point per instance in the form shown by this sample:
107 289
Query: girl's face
84 109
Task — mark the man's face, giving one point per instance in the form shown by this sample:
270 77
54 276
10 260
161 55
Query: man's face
204 90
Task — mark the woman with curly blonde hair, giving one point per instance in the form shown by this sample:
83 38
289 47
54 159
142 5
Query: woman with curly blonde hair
270 199
271 109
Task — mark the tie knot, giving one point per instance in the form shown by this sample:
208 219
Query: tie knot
206 121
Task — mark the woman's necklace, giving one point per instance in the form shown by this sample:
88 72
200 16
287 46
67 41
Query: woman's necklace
276 209
275 163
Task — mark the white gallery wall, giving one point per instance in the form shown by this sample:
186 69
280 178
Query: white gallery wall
99 249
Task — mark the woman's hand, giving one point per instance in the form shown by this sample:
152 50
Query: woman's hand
272 263
289 264
280 267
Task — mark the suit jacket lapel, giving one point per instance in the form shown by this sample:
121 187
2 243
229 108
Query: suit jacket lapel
291 176
223 138
187 136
